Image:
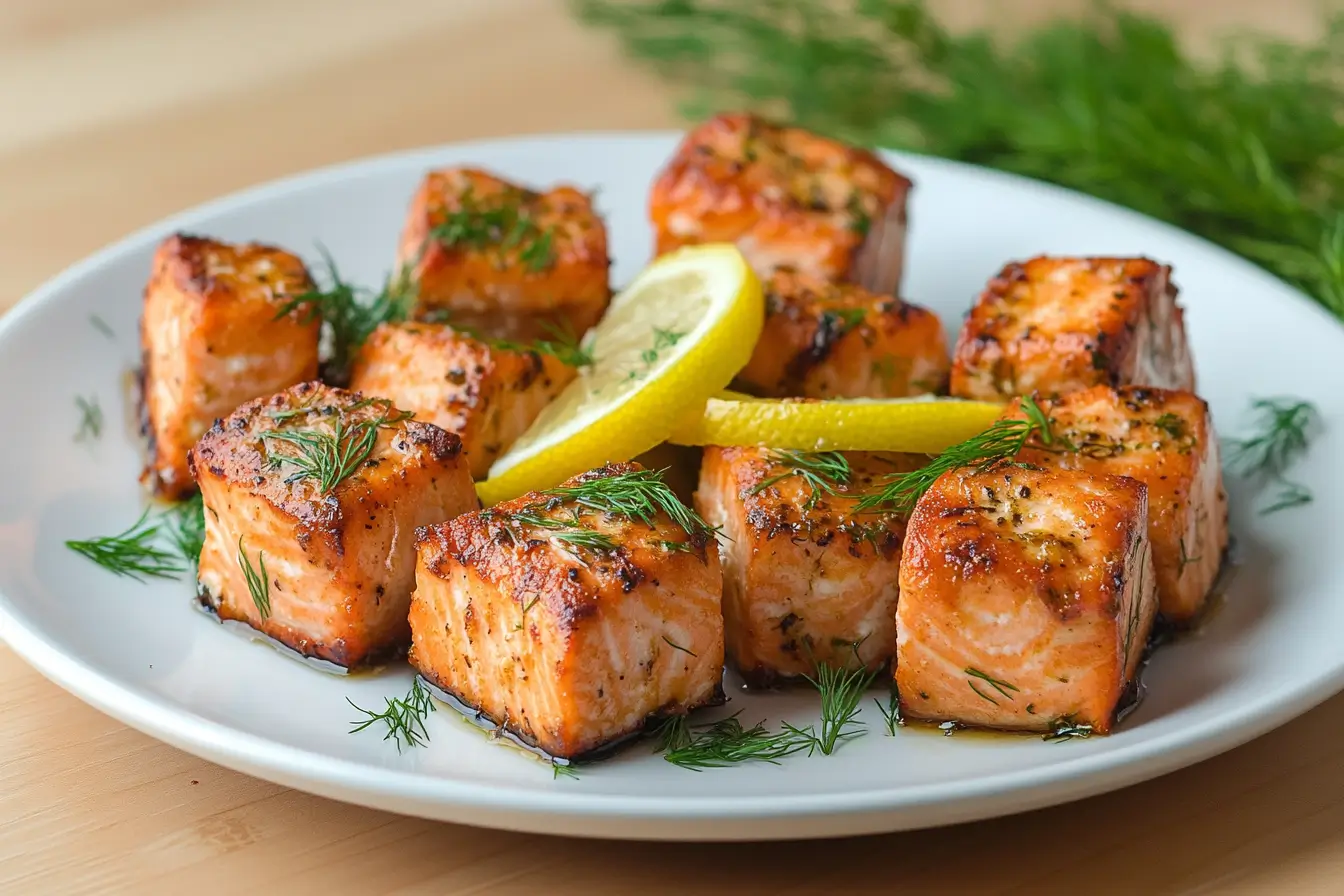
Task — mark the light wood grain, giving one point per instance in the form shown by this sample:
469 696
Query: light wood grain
113 114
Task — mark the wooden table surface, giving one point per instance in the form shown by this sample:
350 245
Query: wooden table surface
115 113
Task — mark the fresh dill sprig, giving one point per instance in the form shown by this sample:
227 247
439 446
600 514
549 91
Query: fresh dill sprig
1170 424
1002 441
186 528
102 327
636 494
824 472
350 313
90 419
331 457
672 733
568 532
563 770
131 553
726 742
891 712
403 716
258 580
562 345
499 222
840 321
1283 428
841 690
999 685
662 341
1239 146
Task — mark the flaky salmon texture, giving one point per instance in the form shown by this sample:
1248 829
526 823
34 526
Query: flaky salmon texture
212 337
1165 439
1027 598
1053 325
486 393
312 497
787 198
569 627
806 579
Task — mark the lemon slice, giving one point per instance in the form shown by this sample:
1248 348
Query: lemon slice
670 340
924 425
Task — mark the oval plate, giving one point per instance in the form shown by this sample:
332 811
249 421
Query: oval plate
143 654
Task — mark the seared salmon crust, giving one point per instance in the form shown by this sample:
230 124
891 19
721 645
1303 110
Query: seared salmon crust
337 566
570 644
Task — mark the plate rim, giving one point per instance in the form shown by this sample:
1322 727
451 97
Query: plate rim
1073 778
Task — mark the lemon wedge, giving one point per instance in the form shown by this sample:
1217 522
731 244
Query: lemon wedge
924 425
671 339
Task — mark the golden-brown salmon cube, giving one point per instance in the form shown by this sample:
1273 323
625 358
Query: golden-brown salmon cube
504 260
212 337
1164 439
1053 325
566 623
806 580
488 393
838 340
311 498
1027 597
787 198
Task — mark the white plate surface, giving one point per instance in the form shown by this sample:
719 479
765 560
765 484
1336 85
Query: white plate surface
143 654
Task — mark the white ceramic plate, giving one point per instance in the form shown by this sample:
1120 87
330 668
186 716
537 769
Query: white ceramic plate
144 655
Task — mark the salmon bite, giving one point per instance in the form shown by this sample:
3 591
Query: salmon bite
572 617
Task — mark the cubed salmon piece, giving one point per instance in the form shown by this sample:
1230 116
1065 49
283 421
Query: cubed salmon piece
487 392
212 337
1053 325
1027 597
836 340
787 198
504 260
1164 439
806 580
569 626
313 494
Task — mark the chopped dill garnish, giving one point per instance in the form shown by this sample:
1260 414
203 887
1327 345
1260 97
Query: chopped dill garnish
840 321
999 685
824 472
90 419
330 458
565 531
1066 728
635 494
131 553
841 690
186 527
562 345
502 223
1171 424
351 313
1002 441
403 716
1283 428
726 742
102 327
675 646
561 769
258 580
662 341
891 712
